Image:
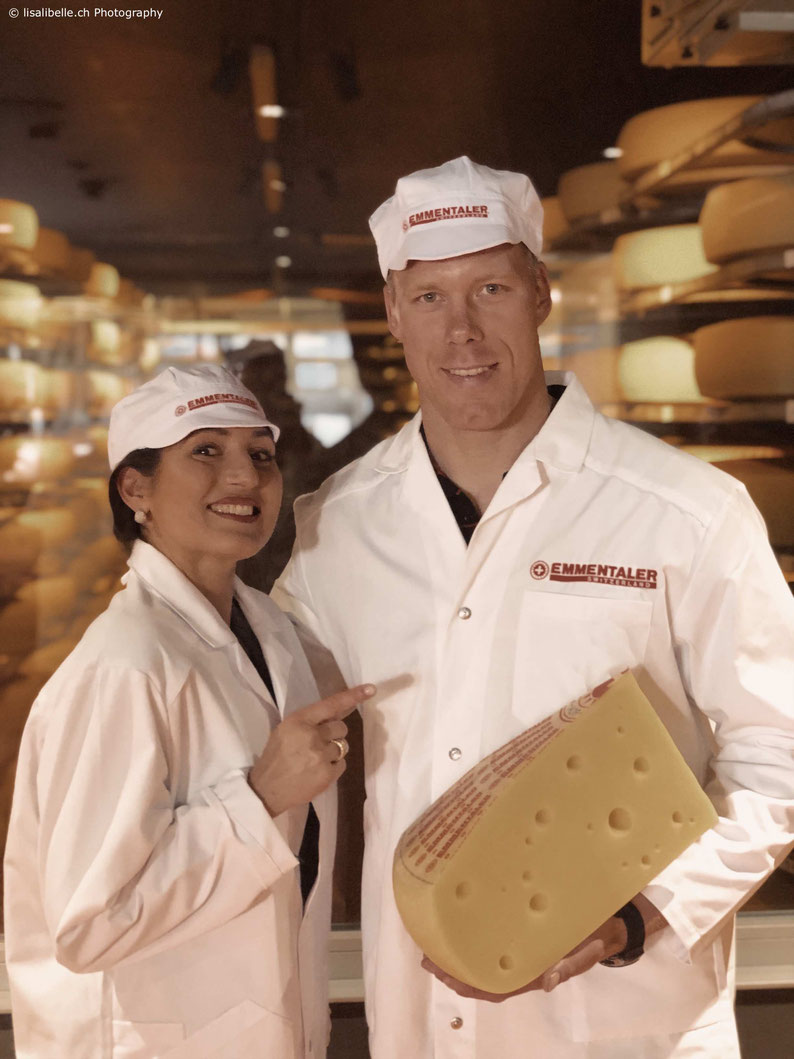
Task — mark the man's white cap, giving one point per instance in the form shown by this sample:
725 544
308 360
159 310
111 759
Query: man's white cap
457 208
175 403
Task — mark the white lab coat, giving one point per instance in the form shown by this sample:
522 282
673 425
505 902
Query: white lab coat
153 908
469 646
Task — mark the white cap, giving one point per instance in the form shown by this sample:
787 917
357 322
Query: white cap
175 403
457 208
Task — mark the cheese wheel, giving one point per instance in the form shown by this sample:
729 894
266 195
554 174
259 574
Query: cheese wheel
104 390
590 189
104 345
19 550
771 486
19 225
53 597
654 257
597 371
21 385
51 252
555 223
103 281
24 459
49 528
751 357
658 134
57 391
488 881
747 217
659 369
20 304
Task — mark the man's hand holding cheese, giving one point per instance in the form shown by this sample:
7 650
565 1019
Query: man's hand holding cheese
506 552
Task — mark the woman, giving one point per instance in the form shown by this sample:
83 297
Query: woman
160 832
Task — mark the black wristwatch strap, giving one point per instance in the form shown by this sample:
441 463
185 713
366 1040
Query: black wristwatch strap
635 939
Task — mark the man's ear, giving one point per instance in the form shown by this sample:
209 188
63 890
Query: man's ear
543 293
392 312
133 487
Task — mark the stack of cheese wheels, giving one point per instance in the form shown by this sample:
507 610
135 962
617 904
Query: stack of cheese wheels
488 881
659 369
597 371
747 217
659 134
589 190
746 358
22 386
19 225
655 257
20 305
51 252
555 223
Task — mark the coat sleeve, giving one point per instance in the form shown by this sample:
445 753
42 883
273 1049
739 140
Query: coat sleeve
124 871
734 634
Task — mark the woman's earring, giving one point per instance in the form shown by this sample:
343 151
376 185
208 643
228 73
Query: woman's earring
140 517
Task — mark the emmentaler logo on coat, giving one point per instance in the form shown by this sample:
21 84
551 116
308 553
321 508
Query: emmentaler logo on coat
599 573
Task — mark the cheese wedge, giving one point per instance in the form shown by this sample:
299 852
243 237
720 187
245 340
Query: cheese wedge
546 838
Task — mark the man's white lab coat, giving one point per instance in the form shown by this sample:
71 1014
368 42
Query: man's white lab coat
602 549
153 907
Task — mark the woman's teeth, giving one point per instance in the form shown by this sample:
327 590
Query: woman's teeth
233 509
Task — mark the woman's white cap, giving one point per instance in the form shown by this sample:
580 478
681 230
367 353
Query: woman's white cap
175 403
457 208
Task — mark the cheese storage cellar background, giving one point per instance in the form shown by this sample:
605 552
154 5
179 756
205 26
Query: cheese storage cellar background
183 189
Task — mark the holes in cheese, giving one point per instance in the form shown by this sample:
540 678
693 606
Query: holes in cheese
471 892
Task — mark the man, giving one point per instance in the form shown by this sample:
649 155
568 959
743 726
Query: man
509 549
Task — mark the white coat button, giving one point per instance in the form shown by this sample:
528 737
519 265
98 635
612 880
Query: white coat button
455 753
464 613
456 1023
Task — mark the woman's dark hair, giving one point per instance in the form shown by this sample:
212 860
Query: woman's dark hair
125 528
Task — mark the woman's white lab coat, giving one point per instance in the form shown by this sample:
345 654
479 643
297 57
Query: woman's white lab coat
153 907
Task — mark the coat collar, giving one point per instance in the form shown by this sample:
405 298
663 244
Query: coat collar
561 443
166 581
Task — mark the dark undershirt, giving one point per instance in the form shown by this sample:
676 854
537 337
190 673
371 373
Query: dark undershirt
309 854
461 504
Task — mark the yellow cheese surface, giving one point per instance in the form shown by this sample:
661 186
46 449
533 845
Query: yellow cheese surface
749 357
546 838
748 217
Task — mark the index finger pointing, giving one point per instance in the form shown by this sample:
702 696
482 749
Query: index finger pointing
337 706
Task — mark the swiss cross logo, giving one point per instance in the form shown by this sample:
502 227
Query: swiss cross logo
598 573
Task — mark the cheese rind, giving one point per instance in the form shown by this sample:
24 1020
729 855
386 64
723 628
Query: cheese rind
747 357
488 881
653 257
747 217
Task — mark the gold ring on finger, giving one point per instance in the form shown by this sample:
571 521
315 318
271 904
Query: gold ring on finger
344 746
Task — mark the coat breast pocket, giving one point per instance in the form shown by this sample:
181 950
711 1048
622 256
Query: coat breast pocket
566 645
